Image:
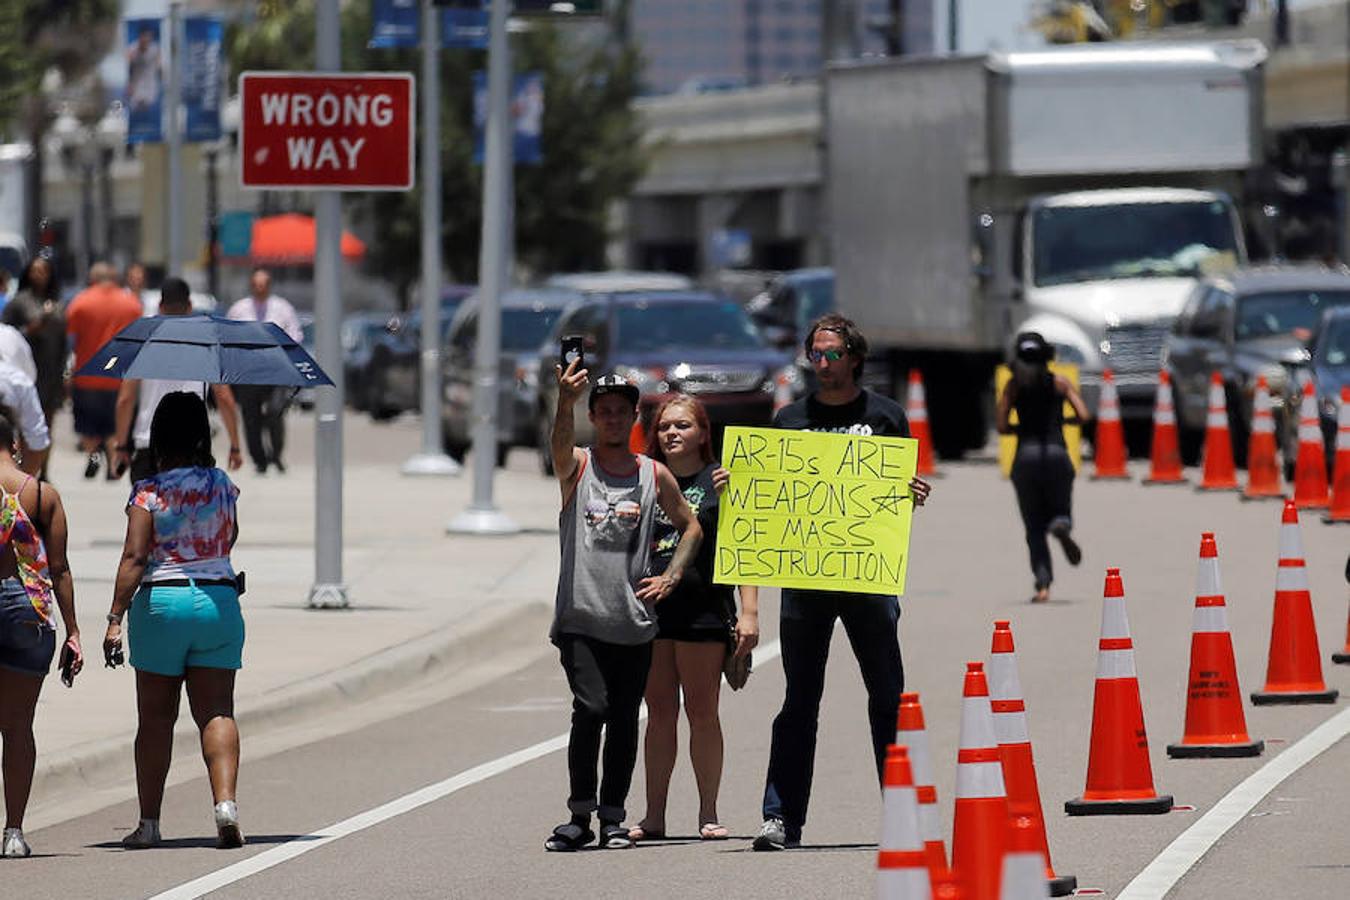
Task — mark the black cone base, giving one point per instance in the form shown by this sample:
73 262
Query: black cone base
1341 658
1215 751
1150 806
1271 698
1062 885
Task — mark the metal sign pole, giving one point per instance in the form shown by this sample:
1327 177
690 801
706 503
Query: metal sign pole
431 460
173 145
494 266
328 590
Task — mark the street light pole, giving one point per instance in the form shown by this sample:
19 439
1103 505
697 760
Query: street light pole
328 590
173 97
494 265
431 460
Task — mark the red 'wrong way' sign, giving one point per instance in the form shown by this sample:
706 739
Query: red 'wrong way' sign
326 130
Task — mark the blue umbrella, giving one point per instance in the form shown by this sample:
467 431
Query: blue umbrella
206 348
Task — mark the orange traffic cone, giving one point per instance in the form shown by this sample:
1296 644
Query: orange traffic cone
1340 482
902 868
1219 473
981 818
916 410
1119 778
1165 455
1294 672
1310 469
1014 746
1023 878
911 732
1263 462
1108 449
1215 723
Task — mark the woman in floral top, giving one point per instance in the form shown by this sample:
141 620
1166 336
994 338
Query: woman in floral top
180 587
33 573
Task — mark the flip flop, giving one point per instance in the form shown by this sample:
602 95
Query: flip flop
712 831
642 833
568 837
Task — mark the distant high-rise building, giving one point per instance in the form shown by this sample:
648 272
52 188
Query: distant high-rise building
709 44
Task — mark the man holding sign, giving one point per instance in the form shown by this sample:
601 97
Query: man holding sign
836 350
604 619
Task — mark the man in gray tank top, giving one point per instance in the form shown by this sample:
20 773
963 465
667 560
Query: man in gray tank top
604 620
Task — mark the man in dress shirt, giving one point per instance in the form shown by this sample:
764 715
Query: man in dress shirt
264 407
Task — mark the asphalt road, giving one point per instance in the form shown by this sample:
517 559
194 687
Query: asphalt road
968 567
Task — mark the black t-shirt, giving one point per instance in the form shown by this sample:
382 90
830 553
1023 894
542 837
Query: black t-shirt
867 414
696 603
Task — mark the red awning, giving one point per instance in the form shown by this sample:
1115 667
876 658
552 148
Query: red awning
288 240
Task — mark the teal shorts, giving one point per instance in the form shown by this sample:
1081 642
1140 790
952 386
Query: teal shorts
174 627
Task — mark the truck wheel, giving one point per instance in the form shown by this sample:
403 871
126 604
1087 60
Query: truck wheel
1138 437
1192 445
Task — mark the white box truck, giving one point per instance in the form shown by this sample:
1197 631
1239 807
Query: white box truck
16 161
1076 191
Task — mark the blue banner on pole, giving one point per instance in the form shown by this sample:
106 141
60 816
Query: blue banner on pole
234 233
203 77
464 28
527 114
395 23
145 81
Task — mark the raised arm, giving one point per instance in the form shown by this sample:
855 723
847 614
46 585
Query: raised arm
562 442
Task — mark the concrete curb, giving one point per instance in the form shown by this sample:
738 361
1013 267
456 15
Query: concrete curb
481 637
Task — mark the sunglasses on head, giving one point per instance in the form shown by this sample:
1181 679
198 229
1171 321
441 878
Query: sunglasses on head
816 356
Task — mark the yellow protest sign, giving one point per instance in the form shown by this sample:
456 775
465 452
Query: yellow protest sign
819 511
1073 434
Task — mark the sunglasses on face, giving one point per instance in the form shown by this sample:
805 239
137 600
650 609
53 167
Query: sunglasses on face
816 356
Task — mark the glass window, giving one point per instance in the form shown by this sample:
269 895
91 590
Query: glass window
1129 240
1334 347
1285 312
525 329
645 326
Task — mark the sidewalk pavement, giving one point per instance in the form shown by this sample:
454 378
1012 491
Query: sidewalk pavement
423 603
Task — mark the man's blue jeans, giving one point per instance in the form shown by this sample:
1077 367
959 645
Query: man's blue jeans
805 627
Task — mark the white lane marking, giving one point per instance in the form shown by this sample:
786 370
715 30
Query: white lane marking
1167 868
214 881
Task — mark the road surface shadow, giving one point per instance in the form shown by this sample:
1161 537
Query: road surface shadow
209 842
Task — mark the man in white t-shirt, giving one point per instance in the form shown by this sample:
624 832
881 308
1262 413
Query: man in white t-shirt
19 395
263 407
140 397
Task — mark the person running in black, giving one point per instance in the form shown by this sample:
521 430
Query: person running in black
1042 473
836 350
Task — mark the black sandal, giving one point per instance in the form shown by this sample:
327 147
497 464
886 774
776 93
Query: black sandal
569 837
614 836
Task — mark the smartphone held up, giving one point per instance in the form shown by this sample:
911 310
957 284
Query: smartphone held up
573 348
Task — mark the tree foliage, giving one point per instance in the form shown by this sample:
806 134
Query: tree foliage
590 137
71 36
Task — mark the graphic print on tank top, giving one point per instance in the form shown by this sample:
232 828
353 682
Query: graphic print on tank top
612 515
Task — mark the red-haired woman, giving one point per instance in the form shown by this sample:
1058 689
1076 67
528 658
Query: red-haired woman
693 625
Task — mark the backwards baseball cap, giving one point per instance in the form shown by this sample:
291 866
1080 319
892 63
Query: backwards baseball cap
1032 347
612 384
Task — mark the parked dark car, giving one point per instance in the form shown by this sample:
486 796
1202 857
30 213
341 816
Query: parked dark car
395 368
528 316
1244 324
791 302
1331 372
664 341
360 331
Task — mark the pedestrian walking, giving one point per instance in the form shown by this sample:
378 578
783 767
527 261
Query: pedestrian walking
694 626
264 407
33 574
176 579
1042 472
604 620
94 316
135 286
19 398
35 310
836 350
137 400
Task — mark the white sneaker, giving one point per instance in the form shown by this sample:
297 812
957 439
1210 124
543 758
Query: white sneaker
13 844
146 835
228 833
